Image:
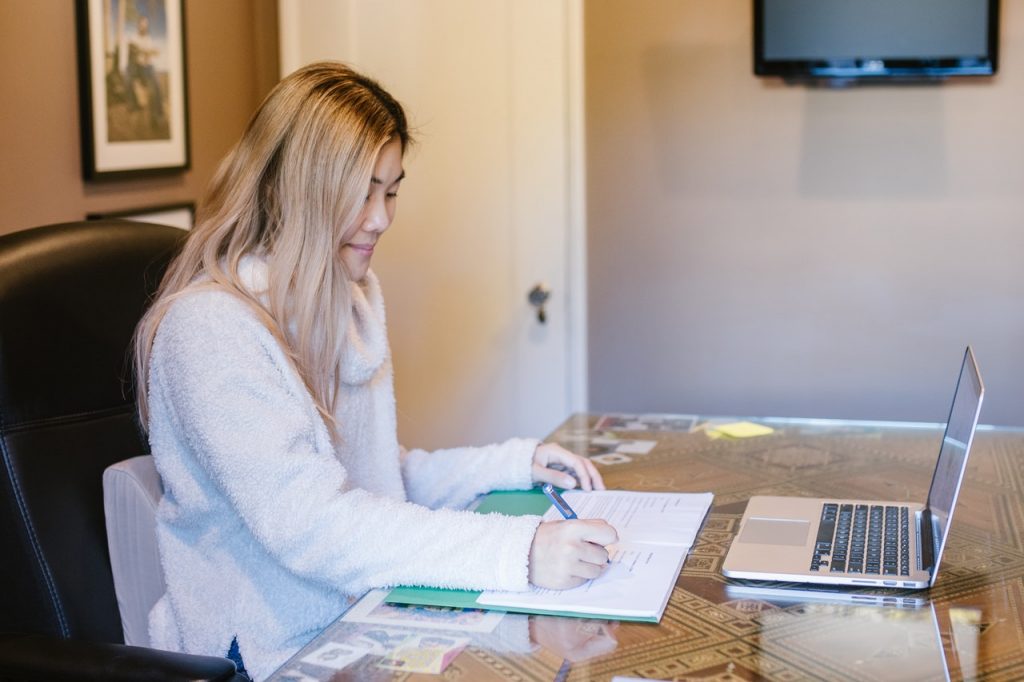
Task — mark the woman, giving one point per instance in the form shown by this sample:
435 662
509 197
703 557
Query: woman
265 382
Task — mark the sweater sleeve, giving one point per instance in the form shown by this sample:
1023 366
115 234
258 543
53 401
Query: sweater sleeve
454 476
242 414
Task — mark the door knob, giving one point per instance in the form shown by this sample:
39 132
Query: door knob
538 296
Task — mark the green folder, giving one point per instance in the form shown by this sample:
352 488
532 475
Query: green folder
513 503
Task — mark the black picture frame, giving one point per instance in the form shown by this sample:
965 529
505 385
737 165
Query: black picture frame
133 88
181 215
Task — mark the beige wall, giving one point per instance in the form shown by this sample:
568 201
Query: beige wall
758 248
232 63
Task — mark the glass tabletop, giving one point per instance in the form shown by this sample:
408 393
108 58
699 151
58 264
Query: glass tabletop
969 625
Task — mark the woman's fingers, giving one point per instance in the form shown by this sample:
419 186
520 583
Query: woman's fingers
583 470
565 553
597 531
589 571
593 554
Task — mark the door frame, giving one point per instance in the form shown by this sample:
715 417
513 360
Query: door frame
309 30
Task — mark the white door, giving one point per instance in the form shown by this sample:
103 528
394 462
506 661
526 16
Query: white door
492 204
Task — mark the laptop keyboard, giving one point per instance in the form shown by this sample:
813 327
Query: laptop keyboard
861 538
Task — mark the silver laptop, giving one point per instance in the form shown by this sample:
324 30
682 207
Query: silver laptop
862 542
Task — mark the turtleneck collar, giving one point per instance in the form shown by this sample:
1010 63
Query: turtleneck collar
366 343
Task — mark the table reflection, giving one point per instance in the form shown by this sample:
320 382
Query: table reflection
574 639
375 641
858 642
970 625
965 626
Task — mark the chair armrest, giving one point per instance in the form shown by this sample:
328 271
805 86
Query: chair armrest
42 657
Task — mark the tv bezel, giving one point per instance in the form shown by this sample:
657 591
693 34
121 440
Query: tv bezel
878 68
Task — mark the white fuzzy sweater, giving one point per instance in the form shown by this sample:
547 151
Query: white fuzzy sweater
266 531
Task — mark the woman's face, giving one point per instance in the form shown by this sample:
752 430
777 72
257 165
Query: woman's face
378 211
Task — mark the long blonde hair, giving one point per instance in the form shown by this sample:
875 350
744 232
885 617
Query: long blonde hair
289 191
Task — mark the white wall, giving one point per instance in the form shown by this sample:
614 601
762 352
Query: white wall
492 204
757 248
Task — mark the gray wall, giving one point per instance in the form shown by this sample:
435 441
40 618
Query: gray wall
763 249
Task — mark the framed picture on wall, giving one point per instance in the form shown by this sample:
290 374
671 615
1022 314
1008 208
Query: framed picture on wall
180 215
132 87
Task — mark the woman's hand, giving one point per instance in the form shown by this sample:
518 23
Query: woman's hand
553 453
566 554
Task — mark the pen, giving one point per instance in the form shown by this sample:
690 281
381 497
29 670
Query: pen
560 504
564 509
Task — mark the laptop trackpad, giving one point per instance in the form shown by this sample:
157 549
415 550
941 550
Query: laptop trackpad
775 532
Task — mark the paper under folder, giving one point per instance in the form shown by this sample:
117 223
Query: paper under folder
655 530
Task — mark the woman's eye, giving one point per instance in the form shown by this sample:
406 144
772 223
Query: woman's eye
392 195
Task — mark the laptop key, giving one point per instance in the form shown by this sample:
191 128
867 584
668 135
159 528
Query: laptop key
826 527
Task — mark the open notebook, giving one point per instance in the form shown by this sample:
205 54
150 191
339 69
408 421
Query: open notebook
655 531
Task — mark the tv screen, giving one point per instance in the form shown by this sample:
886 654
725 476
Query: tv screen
875 39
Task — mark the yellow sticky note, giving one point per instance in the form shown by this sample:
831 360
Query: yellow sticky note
743 429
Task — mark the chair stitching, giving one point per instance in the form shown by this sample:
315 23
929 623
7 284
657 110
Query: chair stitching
34 540
64 419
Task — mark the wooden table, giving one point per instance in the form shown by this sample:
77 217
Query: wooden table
971 623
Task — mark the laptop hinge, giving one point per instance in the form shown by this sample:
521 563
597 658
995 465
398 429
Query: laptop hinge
926 546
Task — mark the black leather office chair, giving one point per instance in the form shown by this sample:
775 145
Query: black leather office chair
70 297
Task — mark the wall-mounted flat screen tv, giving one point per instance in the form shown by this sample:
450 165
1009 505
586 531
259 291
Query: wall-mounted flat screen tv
875 39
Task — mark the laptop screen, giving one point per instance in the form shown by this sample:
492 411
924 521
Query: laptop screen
956 442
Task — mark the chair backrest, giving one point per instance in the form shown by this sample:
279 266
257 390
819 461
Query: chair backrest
70 297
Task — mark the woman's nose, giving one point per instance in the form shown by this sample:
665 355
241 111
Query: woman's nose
377 217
